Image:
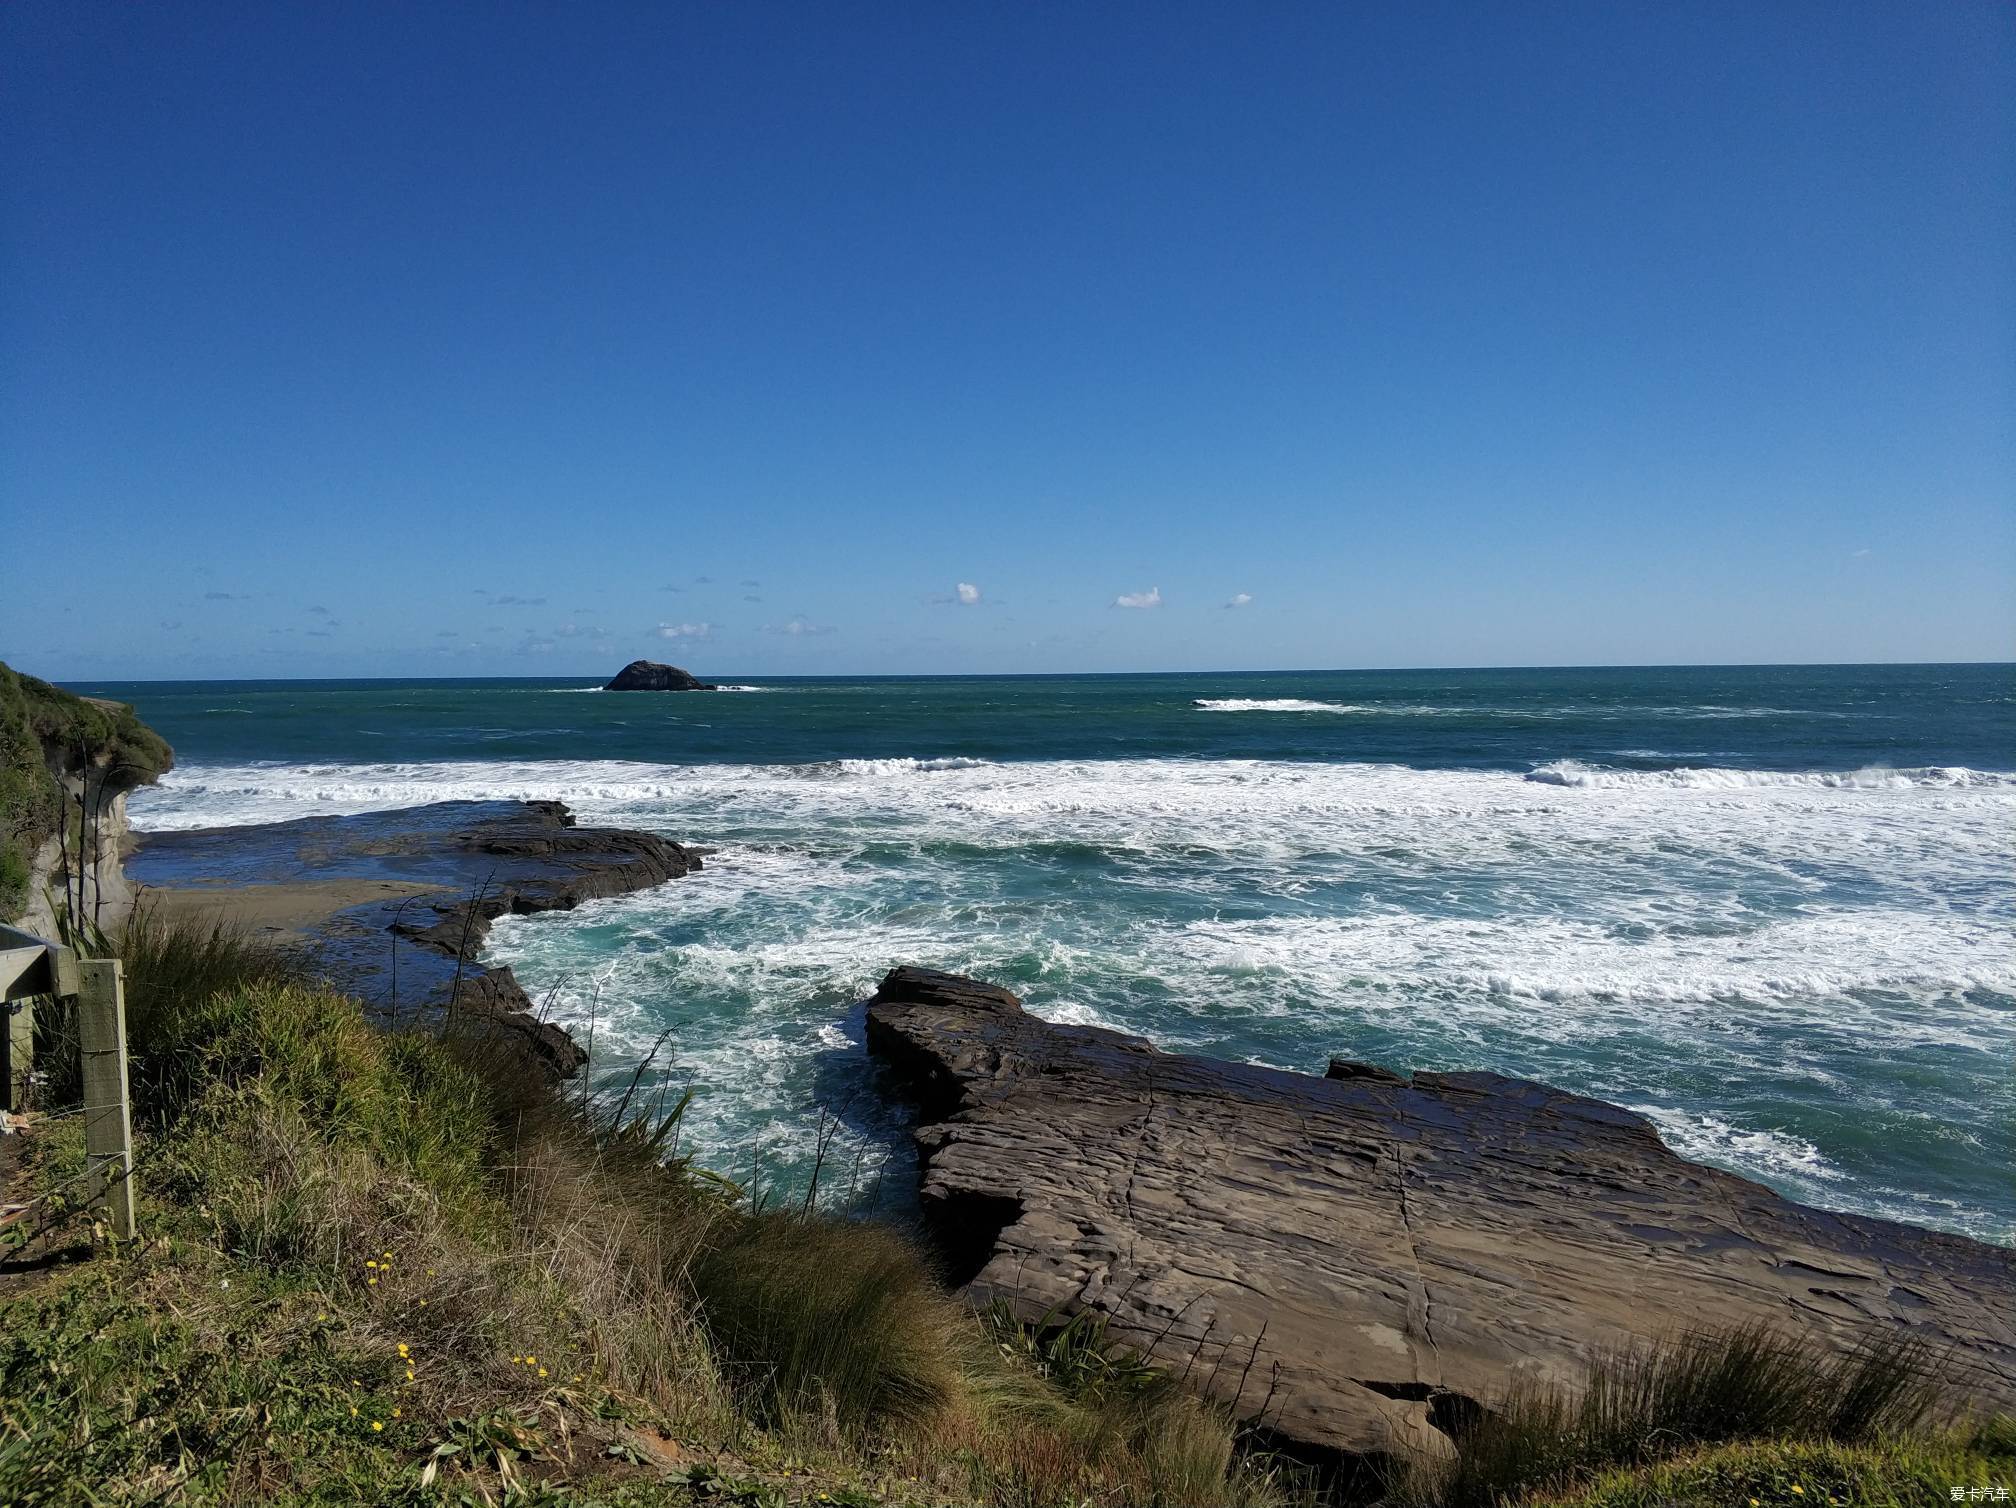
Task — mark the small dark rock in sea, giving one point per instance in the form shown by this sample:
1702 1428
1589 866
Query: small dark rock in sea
649 675
1357 1263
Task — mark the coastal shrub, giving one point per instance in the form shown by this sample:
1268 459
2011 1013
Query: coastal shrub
176 969
1075 1354
1641 1405
816 1316
171 966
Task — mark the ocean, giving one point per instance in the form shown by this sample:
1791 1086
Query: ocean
1773 909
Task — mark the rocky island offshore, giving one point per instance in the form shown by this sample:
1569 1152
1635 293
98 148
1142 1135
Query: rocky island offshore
649 675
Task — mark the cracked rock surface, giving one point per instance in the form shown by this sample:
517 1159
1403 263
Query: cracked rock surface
1359 1259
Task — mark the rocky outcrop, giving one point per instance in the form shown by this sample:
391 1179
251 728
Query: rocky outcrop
443 874
649 675
1356 1261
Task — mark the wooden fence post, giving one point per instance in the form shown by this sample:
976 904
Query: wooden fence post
19 1050
108 1118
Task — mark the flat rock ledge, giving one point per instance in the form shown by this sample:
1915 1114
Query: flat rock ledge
449 871
1356 1261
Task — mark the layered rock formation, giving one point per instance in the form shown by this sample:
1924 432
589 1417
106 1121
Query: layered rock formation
417 890
649 675
1359 1259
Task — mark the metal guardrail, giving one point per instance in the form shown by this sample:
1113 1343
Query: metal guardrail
32 968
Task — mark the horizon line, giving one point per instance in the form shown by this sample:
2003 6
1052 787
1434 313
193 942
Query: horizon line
1081 674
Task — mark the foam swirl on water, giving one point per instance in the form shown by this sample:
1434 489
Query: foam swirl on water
1810 975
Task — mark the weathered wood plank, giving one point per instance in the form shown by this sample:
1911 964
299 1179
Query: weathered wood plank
108 1119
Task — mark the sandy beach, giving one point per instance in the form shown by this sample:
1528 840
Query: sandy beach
293 907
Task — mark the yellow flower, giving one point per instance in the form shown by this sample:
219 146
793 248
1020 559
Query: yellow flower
370 1264
409 1374
402 1348
516 1360
388 1256
373 1282
397 1412
423 1303
353 1411
542 1371
531 1361
1801 1491
320 1318
377 1425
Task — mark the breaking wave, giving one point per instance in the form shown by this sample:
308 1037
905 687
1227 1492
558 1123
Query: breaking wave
1574 773
1274 704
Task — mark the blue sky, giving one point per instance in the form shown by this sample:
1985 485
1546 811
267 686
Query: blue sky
476 340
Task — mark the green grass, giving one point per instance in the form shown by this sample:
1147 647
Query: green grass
1639 1406
1917 1472
38 721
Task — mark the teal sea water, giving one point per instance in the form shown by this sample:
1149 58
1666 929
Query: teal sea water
1774 909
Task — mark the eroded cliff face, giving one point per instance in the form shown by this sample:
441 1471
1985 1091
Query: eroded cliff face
67 763
83 870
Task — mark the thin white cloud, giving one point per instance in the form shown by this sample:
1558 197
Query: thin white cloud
1860 553
968 593
1150 598
798 628
1240 599
683 630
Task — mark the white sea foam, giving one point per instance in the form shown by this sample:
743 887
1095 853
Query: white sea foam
875 767
1274 704
1572 772
1593 979
1710 1139
1585 712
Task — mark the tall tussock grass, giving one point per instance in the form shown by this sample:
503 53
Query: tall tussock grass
827 1317
1645 1404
